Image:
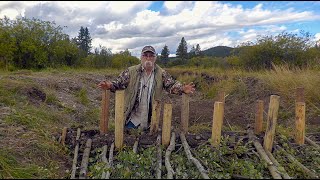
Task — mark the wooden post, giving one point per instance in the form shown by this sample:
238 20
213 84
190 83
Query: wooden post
185 113
300 122
155 118
63 136
119 118
300 116
75 157
217 123
166 124
104 120
258 117
271 122
221 96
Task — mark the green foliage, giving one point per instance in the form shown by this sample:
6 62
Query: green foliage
129 165
234 61
207 62
218 51
124 60
84 41
11 169
164 58
184 169
6 44
82 95
285 48
34 44
101 58
224 162
306 155
182 50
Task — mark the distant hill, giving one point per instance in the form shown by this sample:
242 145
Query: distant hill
218 51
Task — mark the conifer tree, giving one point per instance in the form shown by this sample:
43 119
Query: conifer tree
182 50
164 58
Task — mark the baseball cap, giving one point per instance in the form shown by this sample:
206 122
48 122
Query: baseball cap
148 48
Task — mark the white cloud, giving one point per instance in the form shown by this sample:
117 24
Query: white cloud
317 36
121 25
9 13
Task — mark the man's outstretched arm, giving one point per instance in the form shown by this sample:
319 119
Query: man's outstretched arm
121 82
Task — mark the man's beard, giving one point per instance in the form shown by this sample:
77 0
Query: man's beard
148 65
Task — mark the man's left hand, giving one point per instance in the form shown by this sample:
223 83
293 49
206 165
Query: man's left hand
189 88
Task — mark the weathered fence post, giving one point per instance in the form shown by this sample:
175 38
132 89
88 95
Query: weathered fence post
85 160
271 122
155 118
104 119
185 113
63 136
221 96
119 118
217 123
300 113
166 124
75 157
258 117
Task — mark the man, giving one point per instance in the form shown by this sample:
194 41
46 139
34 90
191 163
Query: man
144 83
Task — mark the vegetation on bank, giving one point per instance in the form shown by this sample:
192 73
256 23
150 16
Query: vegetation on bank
33 126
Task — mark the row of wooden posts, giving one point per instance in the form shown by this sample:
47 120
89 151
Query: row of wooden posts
218 115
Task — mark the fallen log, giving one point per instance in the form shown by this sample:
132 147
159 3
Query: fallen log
159 157
312 143
135 146
273 170
237 176
85 160
63 135
186 147
281 170
105 160
75 157
110 160
295 161
170 148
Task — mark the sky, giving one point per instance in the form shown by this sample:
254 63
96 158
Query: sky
133 24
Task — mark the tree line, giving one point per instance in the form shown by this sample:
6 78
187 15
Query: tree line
36 44
291 49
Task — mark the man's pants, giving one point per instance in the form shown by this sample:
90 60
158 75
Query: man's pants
130 125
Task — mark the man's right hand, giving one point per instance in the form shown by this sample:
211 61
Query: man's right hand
105 85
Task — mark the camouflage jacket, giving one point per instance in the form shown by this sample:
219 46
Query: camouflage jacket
169 84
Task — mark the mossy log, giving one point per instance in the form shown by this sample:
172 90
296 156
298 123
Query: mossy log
85 160
170 148
273 170
295 161
186 147
159 157
75 157
312 143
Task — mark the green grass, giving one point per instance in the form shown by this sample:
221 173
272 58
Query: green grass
10 168
82 96
41 122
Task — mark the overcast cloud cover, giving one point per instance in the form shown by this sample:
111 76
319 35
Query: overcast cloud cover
133 24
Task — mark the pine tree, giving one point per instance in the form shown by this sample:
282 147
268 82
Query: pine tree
164 58
197 50
182 50
84 40
192 52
